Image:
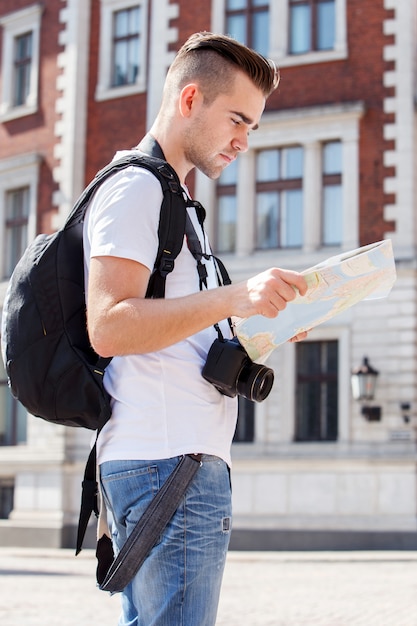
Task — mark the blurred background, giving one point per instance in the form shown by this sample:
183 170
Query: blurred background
331 168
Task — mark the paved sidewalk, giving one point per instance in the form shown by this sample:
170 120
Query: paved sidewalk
53 588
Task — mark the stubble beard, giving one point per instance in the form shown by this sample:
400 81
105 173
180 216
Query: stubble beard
197 152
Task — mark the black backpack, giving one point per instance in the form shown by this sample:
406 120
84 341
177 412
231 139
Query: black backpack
52 369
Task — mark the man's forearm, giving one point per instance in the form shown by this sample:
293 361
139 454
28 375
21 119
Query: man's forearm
122 324
138 325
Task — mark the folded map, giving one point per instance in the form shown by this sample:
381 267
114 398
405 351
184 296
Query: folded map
333 286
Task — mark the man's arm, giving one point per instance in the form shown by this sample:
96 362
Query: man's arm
121 321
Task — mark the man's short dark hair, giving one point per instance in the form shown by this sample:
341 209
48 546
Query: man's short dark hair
212 60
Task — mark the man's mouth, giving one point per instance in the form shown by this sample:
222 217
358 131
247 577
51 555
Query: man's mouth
228 158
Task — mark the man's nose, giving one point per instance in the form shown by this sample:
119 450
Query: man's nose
240 143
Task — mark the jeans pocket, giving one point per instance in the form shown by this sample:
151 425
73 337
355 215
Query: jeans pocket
128 488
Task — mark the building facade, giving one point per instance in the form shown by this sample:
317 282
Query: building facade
330 168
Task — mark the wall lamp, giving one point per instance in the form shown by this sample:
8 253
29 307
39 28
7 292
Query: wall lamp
363 380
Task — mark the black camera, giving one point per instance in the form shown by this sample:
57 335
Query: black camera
230 369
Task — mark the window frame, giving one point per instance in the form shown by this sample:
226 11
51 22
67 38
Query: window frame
15 25
226 189
7 492
248 12
279 34
280 186
15 225
22 69
314 30
324 381
105 90
126 38
15 424
309 128
15 173
329 180
333 330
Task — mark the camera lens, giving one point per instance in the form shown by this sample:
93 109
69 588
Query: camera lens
229 368
255 382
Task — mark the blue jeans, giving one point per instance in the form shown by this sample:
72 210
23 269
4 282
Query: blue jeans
179 582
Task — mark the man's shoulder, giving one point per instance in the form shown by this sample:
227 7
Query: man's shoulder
133 173
127 186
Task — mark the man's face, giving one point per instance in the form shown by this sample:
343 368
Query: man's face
217 132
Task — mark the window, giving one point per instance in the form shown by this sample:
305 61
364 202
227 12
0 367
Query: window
6 497
312 25
292 196
16 226
293 32
22 68
248 22
317 391
18 197
245 427
13 416
226 209
122 65
279 198
332 194
126 48
20 62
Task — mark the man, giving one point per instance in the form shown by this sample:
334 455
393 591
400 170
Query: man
162 408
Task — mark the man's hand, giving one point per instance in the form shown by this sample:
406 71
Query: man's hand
268 293
299 337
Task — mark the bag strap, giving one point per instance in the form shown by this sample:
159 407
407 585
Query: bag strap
172 221
171 231
113 574
171 227
89 497
149 527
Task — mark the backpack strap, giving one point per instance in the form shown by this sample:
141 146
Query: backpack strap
171 232
171 227
89 497
172 222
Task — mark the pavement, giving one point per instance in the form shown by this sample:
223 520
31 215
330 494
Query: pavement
43 587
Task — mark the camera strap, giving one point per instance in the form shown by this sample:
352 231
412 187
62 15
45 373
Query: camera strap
194 245
149 145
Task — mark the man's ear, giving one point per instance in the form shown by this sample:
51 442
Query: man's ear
190 97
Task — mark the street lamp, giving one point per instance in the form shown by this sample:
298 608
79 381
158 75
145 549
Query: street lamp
363 381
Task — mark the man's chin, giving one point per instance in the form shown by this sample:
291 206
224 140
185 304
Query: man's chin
211 173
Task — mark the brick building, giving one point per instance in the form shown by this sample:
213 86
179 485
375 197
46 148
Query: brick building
329 169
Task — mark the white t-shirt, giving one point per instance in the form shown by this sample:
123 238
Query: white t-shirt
161 405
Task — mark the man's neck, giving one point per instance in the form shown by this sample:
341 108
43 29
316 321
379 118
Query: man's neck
171 148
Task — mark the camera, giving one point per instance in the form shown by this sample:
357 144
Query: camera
230 369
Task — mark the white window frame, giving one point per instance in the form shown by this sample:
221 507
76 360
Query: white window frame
279 36
333 330
16 172
104 89
308 128
14 25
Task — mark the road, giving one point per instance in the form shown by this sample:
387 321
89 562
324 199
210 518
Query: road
42 587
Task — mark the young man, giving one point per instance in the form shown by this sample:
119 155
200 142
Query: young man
162 408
